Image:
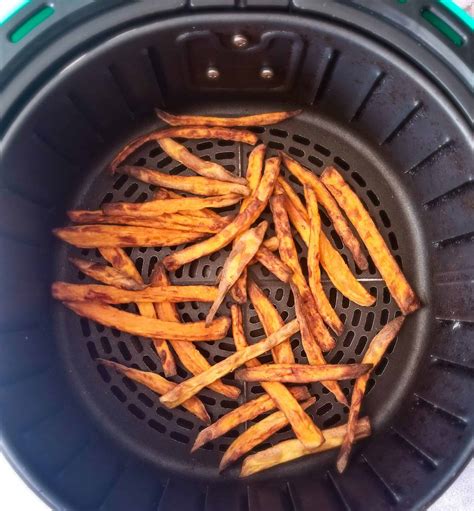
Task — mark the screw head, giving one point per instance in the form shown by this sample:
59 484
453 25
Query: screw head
267 73
240 41
212 73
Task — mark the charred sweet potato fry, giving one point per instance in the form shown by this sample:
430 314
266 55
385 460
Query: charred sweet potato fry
245 247
246 120
326 200
273 264
370 235
289 450
202 167
239 225
193 184
377 347
96 236
160 385
146 327
245 412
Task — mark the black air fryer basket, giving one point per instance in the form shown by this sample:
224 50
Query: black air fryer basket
386 100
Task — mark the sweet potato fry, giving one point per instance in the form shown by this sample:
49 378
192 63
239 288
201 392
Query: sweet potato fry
245 412
202 167
326 200
119 259
107 274
271 322
289 450
191 132
246 120
193 184
201 213
146 327
256 434
239 225
245 247
160 385
271 243
190 387
370 235
303 426
190 356
96 236
302 373
273 264
377 347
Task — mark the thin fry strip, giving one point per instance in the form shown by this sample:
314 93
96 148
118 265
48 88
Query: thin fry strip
326 200
192 386
65 291
257 434
191 132
273 264
370 235
246 120
96 236
377 347
289 450
119 259
303 426
193 184
239 225
302 373
271 322
146 327
160 385
289 256
202 213
245 412
188 354
204 168
245 247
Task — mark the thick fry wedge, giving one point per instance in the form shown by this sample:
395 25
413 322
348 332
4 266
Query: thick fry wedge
271 322
107 274
160 385
202 167
246 120
109 294
245 412
239 225
245 247
193 184
289 256
191 132
190 356
326 200
370 235
273 264
96 236
192 386
377 347
147 327
302 373
289 450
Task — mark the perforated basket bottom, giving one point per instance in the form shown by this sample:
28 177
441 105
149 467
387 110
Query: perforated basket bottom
166 436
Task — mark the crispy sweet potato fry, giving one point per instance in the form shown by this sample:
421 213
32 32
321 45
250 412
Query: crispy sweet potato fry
191 132
289 450
256 434
202 213
246 120
326 200
147 327
271 243
273 264
245 412
160 385
271 322
190 387
245 247
239 225
377 347
193 184
202 167
96 236
302 373
190 356
119 259
370 235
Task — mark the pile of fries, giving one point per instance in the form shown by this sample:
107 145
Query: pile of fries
171 219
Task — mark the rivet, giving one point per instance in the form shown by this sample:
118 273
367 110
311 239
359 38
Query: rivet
267 73
212 73
240 41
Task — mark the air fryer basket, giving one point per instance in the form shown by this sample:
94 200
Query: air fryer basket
85 437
